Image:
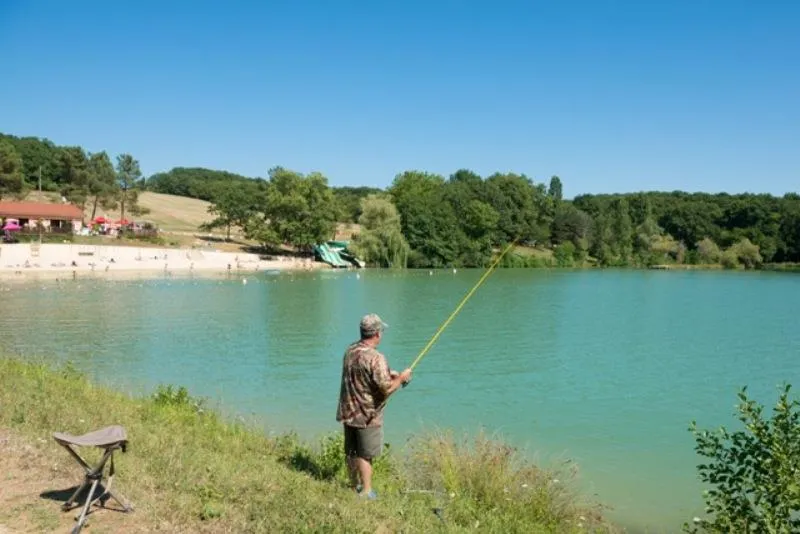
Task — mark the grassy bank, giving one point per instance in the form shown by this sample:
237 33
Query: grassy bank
187 469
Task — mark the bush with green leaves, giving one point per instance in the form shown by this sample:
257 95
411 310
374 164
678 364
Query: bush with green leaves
169 395
755 472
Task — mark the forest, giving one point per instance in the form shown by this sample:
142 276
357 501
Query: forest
424 220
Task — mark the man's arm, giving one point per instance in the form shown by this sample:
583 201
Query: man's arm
387 380
398 379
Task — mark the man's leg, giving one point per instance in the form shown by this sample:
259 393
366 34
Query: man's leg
350 451
352 468
364 466
370 445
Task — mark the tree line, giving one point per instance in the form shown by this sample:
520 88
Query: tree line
83 178
428 220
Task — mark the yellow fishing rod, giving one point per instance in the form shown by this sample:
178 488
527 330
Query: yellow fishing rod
455 312
461 304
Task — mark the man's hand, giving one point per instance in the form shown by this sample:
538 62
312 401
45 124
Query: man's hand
399 380
405 376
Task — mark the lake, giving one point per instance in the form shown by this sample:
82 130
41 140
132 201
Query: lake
605 368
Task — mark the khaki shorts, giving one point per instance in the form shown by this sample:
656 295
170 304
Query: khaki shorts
364 443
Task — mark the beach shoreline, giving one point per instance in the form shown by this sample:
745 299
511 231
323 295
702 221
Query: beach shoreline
57 261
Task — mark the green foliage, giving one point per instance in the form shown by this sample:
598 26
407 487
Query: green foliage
12 180
101 186
349 201
513 197
170 395
708 251
747 254
381 240
327 461
571 224
556 189
520 261
295 209
37 155
429 222
564 254
488 486
235 206
195 182
444 222
729 259
128 176
755 472
767 221
75 175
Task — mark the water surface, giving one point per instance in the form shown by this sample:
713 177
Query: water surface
606 368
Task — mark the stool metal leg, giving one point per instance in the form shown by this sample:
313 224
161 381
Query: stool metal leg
71 502
82 517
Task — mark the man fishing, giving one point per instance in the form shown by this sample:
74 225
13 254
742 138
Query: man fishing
367 382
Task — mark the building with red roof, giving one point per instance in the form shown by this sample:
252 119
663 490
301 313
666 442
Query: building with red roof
53 217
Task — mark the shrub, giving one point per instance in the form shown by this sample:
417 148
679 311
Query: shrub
172 396
729 259
487 483
564 254
708 251
747 253
328 462
755 473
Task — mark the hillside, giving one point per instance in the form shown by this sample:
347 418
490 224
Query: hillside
169 212
173 214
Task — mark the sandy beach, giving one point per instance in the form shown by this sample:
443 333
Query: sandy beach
24 261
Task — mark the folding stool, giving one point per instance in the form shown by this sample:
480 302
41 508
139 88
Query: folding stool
110 439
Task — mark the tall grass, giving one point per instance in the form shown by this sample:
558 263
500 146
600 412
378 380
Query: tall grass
189 469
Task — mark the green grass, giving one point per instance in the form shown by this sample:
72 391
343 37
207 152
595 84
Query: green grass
188 467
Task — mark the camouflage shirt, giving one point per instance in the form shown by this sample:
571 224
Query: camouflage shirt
365 380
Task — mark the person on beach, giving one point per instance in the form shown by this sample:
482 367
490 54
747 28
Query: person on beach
367 382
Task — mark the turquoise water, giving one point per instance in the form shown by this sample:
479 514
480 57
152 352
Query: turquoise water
606 368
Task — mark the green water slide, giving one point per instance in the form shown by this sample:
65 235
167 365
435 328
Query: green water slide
335 253
330 256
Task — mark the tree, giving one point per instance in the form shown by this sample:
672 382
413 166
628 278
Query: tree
294 209
512 196
38 156
102 182
12 180
349 200
708 252
194 182
564 254
381 240
754 472
571 224
789 243
128 174
429 222
555 191
621 227
74 175
233 206
747 253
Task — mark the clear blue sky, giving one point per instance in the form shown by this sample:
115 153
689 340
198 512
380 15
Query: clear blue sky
611 96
